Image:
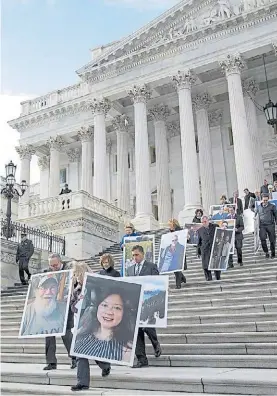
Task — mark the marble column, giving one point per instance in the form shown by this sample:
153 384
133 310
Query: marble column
201 103
144 219
109 170
183 82
159 114
232 66
250 90
85 136
43 163
120 124
55 145
100 109
74 155
220 176
25 154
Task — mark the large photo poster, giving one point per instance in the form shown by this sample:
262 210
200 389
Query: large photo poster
172 252
148 244
256 234
155 300
193 237
47 304
221 249
221 212
106 328
228 224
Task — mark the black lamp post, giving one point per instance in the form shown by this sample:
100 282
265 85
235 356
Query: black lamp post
11 190
270 109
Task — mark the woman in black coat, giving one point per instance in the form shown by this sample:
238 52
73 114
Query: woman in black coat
179 276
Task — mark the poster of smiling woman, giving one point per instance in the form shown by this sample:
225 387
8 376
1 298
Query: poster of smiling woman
47 304
107 329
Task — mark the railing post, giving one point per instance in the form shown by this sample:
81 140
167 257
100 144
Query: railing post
50 243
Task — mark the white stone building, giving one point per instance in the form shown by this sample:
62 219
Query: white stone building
158 124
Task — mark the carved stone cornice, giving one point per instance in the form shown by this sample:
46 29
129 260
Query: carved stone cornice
140 93
121 123
184 80
173 129
233 63
43 162
215 117
201 101
100 106
85 134
159 112
74 154
250 87
25 152
55 143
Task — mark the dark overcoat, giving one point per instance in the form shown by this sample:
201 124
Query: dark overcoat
206 238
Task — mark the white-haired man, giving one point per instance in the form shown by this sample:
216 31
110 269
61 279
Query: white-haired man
56 264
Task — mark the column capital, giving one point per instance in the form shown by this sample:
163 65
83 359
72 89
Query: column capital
85 134
140 93
74 154
173 129
250 87
201 101
121 123
100 106
184 80
55 143
25 152
43 162
215 117
159 112
232 64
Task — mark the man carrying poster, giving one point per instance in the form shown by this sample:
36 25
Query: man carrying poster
143 268
239 227
220 250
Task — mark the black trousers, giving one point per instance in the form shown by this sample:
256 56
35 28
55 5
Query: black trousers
238 247
50 347
23 267
140 347
208 275
270 232
179 277
83 371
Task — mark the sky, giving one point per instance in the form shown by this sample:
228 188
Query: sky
43 43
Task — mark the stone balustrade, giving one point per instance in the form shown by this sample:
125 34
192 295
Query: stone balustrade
54 98
75 200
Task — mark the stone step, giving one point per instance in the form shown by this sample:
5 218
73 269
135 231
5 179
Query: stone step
168 349
195 380
39 390
230 327
216 361
197 338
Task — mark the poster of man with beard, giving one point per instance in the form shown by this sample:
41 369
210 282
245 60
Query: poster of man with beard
47 305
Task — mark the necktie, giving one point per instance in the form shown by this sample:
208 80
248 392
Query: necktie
137 269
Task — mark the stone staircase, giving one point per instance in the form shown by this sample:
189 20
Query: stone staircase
221 338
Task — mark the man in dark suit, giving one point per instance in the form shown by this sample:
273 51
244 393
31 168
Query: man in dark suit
238 202
24 252
144 268
56 264
205 244
239 227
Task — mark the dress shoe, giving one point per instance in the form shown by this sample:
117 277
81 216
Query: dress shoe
50 366
140 364
106 372
273 256
158 351
73 364
267 255
178 287
79 387
241 264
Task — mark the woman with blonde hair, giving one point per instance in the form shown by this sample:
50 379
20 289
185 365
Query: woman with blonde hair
179 276
83 371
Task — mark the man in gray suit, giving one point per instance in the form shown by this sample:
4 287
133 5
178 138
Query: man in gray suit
56 264
144 268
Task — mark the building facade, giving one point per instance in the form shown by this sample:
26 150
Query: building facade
159 123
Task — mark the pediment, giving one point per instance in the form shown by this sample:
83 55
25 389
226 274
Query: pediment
185 21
